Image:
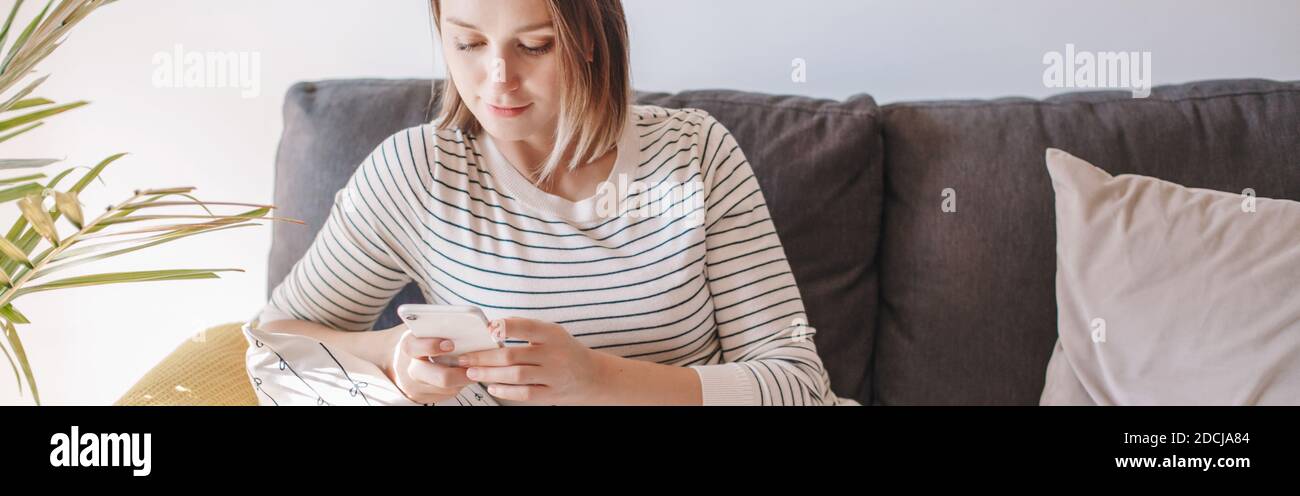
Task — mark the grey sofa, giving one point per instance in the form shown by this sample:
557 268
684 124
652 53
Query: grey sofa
912 305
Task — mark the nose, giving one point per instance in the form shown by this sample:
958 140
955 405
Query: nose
503 74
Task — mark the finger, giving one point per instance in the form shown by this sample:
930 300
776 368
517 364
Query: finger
531 330
437 375
419 397
517 393
423 393
420 392
513 374
500 357
427 347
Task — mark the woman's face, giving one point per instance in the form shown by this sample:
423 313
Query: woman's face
502 56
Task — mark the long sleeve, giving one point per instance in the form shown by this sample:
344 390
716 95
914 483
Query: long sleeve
768 354
350 273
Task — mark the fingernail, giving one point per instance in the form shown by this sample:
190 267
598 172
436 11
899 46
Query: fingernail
447 346
472 373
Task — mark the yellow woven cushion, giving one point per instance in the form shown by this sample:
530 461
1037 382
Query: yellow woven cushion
205 370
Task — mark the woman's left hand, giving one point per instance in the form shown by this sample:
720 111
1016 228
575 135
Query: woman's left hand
553 368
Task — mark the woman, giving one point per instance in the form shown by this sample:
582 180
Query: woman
627 249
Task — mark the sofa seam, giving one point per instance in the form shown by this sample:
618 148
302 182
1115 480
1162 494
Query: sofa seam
869 114
1035 103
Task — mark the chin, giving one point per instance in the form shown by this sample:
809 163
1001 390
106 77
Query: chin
508 129
507 132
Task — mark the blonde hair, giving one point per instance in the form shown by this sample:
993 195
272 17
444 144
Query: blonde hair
596 94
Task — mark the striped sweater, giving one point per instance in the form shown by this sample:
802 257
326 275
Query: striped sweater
674 260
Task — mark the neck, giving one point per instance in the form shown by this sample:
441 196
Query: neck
527 155
582 182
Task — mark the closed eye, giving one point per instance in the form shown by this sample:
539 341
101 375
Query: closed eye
538 50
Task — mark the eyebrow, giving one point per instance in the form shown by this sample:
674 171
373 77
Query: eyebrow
531 27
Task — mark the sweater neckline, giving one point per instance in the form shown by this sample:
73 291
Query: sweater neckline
584 210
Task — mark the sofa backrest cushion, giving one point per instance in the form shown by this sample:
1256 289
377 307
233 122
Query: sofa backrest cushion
329 128
968 308
818 163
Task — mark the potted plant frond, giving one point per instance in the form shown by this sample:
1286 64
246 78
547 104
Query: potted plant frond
39 246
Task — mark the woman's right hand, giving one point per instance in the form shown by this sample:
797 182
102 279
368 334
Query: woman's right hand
409 367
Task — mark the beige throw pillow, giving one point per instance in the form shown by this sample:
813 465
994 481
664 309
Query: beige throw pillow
1168 295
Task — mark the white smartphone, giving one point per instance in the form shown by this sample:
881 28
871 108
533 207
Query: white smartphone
464 325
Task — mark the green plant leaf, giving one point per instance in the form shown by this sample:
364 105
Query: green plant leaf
196 202
13 365
87 234
26 240
124 211
164 227
94 172
205 207
26 163
257 214
40 38
28 103
68 205
11 313
12 252
165 191
21 222
4 33
20 179
22 38
170 228
27 90
125 277
16 192
7 124
152 241
15 134
46 38
128 208
55 182
16 345
39 218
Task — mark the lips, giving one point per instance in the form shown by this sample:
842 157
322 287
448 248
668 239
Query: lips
510 111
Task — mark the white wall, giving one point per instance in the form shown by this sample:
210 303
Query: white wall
89 344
